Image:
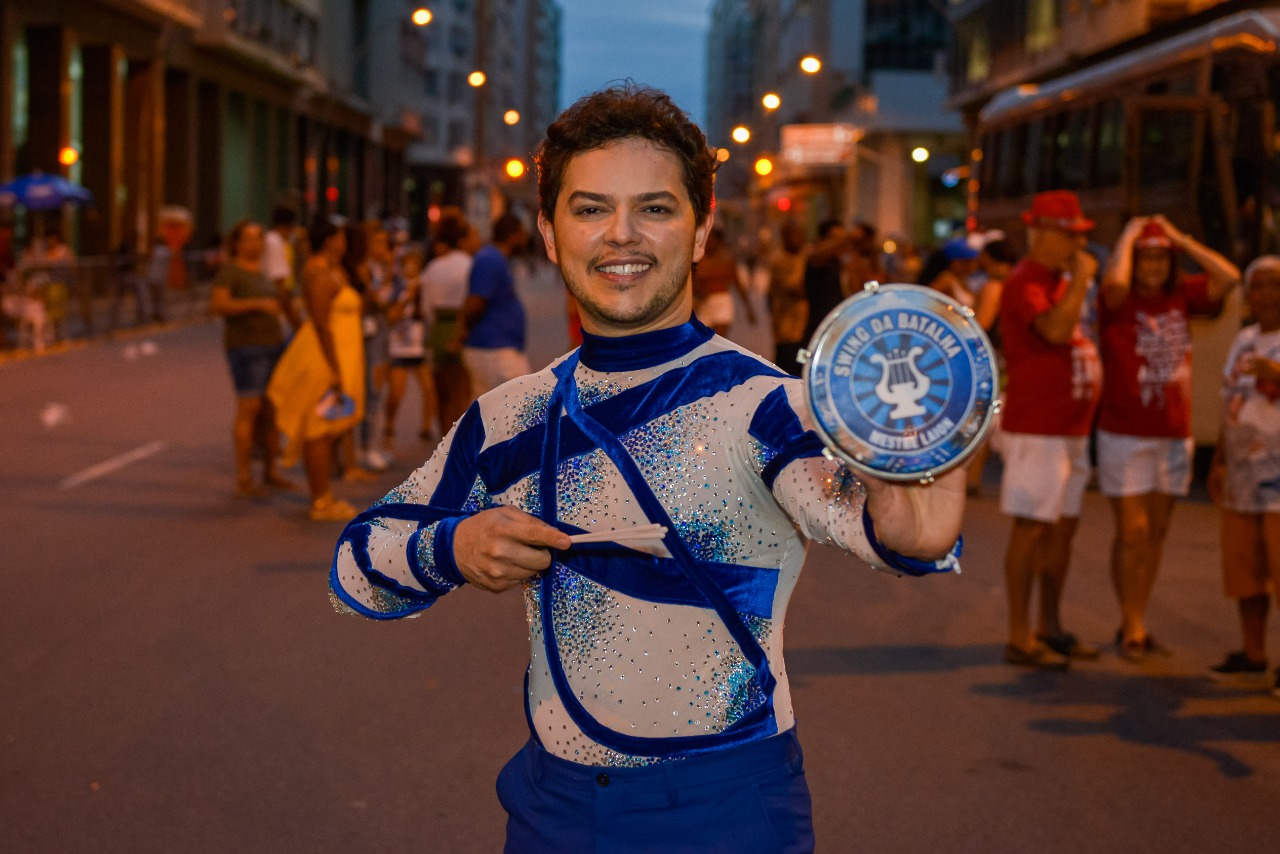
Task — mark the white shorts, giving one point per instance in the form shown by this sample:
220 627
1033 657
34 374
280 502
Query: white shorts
1044 476
1137 465
491 368
716 309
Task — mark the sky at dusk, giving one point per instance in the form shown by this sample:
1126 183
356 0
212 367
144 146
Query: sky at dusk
661 43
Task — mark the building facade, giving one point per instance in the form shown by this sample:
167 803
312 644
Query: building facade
230 107
471 132
852 125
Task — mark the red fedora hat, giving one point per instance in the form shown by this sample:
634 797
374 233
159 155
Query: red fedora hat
1058 209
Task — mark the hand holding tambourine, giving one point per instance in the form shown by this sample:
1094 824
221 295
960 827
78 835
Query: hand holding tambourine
901 382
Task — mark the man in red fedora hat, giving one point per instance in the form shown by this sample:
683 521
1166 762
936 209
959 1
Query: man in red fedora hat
1054 380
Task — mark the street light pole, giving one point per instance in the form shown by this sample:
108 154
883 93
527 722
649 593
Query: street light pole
478 199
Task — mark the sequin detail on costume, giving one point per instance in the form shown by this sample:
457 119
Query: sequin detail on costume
847 491
340 606
761 454
580 484
405 493
435 581
737 688
593 391
585 618
478 499
531 412
686 473
376 599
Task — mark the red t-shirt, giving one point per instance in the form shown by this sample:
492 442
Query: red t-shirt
1146 360
1052 389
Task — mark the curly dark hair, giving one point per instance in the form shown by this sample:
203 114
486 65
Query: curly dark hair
622 111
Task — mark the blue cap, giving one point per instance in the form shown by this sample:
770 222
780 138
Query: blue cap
959 250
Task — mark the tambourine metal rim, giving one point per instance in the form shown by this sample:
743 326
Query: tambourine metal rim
839 405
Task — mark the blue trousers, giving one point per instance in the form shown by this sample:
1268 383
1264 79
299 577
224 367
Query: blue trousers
746 800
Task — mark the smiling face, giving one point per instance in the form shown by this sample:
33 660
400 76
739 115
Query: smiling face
625 238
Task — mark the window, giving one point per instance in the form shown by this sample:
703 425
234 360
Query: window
978 60
1108 152
1165 142
1071 141
1037 146
1009 159
1042 25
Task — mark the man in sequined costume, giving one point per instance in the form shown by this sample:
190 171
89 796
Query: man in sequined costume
657 701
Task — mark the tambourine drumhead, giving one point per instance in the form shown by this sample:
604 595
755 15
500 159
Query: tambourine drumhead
901 382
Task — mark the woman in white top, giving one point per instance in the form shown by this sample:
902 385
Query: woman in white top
444 289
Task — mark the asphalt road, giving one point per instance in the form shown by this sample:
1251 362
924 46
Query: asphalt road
173 678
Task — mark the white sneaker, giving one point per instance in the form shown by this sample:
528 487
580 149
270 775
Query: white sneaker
376 460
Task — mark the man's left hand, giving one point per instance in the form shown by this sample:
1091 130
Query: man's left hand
921 522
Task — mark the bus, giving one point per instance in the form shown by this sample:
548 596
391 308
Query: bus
1183 126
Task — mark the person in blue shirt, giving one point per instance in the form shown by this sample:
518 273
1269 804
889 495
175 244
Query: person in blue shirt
492 324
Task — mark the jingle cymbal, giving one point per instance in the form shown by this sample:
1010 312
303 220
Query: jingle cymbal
901 382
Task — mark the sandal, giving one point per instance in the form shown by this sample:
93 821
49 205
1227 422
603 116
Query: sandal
1137 650
1065 643
1039 657
330 509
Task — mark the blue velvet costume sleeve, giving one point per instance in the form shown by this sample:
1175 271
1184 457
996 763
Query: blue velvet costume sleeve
396 558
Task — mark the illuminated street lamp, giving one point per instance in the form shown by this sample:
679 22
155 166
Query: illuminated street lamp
771 101
920 154
476 79
764 166
811 64
68 155
722 155
421 16
511 117
515 168
741 134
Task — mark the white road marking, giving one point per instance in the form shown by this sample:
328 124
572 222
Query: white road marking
114 464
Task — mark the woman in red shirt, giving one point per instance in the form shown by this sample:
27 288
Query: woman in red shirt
1144 419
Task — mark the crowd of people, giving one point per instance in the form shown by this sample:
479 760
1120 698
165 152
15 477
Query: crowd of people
1095 351
325 326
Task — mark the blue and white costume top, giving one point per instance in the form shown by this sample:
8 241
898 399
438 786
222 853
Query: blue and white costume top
635 658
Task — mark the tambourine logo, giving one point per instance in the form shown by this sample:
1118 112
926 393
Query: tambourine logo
902 384
901 381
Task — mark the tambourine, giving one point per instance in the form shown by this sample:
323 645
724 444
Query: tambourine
901 382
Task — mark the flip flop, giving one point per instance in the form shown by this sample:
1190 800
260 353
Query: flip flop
1039 657
1137 650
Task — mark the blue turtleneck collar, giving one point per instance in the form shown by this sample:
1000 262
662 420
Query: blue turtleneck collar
645 350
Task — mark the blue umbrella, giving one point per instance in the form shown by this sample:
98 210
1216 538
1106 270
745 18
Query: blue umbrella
42 192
